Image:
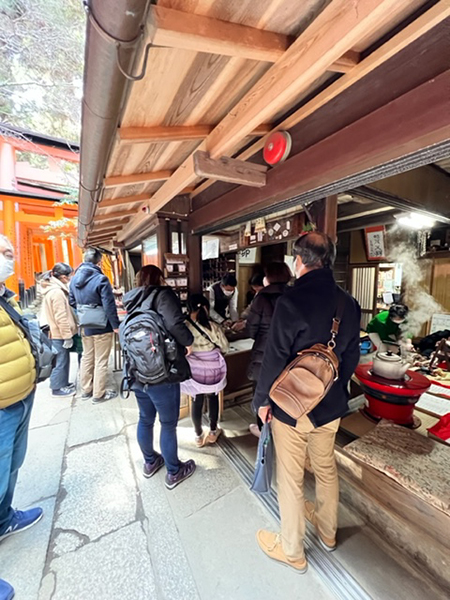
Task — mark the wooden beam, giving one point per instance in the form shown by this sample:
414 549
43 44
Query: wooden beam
109 202
335 31
383 136
188 31
230 169
147 135
120 180
346 62
355 210
396 44
113 215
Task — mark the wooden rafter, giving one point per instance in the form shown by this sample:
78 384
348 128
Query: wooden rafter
114 215
337 28
188 31
146 135
124 201
396 44
230 169
120 180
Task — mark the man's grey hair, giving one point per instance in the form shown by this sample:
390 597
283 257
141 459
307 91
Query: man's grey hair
6 241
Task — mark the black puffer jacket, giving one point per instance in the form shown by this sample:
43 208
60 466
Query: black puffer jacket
258 323
168 307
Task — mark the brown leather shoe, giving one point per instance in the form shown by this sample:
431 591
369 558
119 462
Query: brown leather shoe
270 544
327 544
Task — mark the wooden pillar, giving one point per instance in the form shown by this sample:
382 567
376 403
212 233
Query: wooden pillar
194 252
26 256
9 229
163 241
325 213
59 253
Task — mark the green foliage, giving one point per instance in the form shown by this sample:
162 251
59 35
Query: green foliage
41 65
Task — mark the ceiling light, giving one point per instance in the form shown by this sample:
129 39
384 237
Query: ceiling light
415 221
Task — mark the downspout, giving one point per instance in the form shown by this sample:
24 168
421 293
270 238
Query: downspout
115 33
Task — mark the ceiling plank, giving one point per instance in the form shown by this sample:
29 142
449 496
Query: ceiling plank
120 180
114 215
181 133
125 200
336 29
230 169
396 44
408 124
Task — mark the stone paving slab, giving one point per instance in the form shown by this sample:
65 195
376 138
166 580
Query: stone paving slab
89 422
22 556
99 488
41 472
117 567
228 564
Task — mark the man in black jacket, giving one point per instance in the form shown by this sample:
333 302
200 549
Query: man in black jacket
303 317
89 286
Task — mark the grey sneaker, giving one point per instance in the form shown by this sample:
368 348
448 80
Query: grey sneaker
185 471
151 469
108 395
86 396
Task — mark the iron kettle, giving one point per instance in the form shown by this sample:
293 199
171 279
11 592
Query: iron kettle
389 365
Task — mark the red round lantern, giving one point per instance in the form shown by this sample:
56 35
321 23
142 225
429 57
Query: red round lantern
277 147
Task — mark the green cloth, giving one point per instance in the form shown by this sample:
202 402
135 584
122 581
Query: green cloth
386 329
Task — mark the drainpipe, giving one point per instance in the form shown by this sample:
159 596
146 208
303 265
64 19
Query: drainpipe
115 28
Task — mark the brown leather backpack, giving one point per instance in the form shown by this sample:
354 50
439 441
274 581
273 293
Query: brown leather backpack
309 377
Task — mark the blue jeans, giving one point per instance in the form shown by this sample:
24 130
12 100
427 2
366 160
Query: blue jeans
165 400
14 422
60 373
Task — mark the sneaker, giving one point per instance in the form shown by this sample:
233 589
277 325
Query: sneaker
86 395
185 471
270 544
213 436
151 468
22 520
254 430
327 544
71 386
108 395
6 590
200 440
64 392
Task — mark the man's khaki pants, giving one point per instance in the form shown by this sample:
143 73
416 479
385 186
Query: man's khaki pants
291 444
94 363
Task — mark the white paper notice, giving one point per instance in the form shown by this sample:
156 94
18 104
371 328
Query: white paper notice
432 404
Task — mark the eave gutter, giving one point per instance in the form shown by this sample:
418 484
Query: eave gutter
113 26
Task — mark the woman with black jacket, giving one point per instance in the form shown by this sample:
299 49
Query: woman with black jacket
163 398
277 276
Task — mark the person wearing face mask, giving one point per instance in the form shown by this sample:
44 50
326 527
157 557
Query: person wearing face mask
303 317
17 389
385 327
223 299
63 327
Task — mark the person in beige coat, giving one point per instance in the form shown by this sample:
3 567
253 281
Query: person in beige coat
63 327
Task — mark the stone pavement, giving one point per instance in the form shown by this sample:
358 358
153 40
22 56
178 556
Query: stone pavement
110 534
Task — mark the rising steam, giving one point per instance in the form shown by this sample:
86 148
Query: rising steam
421 304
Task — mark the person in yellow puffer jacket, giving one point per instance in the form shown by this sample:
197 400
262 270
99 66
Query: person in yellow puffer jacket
17 389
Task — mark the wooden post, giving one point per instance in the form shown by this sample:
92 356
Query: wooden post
328 217
9 229
194 251
163 241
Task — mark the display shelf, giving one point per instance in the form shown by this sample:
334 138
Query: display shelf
176 273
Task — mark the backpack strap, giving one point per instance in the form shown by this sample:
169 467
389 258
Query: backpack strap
341 298
202 332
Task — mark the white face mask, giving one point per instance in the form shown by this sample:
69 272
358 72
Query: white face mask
228 293
6 268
